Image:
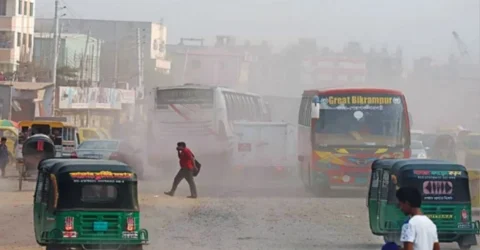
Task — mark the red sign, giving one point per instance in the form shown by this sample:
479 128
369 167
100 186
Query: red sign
438 187
421 172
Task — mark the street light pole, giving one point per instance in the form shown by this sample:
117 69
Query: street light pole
55 56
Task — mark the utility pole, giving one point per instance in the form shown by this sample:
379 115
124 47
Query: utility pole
55 55
115 69
84 60
139 57
140 86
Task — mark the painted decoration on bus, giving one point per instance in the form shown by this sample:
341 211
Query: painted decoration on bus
439 185
184 96
102 176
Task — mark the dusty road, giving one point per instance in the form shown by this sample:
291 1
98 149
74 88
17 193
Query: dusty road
231 213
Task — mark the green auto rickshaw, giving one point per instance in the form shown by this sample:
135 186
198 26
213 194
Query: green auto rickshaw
446 198
87 204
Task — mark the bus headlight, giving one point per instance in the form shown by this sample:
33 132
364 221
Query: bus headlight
422 156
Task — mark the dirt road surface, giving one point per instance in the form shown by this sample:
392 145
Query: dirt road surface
234 212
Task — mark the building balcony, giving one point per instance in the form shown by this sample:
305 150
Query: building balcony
7 23
7 55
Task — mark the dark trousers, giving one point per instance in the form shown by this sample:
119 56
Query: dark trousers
188 175
3 165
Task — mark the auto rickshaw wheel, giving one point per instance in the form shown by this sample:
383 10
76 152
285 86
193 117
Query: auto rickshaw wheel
134 247
56 247
392 238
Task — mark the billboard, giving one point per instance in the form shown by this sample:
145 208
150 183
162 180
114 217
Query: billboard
91 98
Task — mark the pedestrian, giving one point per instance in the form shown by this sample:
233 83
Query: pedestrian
3 155
187 168
419 233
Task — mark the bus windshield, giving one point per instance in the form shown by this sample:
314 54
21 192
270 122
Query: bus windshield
181 96
361 120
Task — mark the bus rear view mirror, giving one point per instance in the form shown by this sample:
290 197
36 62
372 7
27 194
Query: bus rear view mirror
315 110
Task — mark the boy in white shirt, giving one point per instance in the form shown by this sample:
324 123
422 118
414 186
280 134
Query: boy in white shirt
419 233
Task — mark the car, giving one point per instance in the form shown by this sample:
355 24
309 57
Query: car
119 150
418 150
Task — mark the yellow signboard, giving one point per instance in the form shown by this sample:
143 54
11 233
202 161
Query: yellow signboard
359 100
101 175
440 216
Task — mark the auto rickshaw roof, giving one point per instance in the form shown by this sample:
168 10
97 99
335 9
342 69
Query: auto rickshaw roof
398 165
66 165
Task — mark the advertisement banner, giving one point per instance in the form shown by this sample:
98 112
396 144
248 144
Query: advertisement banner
127 96
88 98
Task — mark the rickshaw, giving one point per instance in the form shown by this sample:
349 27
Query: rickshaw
35 149
446 198
444 148
87 204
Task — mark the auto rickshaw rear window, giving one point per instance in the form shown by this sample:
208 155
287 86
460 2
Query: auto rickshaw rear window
41 129
439 186
97 196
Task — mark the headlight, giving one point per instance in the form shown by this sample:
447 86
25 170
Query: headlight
422 156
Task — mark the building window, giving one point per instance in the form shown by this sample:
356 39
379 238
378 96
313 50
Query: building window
19 7
19 39
24 39
3 7
30 40
31 9
25 8
6 39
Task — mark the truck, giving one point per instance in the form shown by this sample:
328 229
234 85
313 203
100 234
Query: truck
264 146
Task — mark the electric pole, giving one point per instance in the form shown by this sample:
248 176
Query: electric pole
55 55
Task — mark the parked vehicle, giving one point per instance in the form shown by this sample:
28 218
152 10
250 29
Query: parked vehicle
118 150
87 204
446 199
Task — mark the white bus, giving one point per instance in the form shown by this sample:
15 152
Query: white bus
202 117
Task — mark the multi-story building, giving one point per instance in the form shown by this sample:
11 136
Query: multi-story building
119 57
221 65
17 20
74 52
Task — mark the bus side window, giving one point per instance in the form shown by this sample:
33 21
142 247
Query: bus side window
301 112
308 114
230 111
237 113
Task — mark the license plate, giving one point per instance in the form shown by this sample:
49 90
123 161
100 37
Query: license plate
100 226
93 156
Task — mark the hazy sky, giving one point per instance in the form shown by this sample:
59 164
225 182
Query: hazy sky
421 27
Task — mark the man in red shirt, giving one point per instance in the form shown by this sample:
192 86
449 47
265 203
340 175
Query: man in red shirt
187 166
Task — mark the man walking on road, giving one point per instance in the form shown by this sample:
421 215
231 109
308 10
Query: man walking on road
3 155
187 167
419 233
